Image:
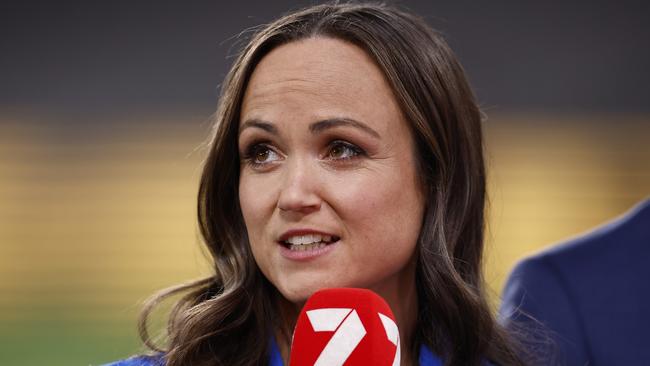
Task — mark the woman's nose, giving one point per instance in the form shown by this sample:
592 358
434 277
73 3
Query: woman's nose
300 188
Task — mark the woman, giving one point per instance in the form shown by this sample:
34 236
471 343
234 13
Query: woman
347 152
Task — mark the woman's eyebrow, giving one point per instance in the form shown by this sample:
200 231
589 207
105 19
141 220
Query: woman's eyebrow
258 123
320 126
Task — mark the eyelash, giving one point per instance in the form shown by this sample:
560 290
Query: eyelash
356 150
254 150
257 148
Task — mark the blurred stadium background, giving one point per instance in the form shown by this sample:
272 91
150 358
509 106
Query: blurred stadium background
104 109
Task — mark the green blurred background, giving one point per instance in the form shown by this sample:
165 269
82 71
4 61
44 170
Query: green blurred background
105 109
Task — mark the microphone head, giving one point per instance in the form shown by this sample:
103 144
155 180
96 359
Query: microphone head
345 326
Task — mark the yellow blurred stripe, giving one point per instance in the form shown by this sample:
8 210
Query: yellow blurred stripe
94 218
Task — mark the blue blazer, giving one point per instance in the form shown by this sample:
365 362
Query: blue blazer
587 302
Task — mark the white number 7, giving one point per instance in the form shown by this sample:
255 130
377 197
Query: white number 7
349 332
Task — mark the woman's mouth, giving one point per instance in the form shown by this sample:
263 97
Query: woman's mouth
308 242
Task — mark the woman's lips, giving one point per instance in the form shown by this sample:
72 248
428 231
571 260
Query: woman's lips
298 236
306 252
305 244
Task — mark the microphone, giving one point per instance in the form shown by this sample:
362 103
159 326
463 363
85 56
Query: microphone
345 327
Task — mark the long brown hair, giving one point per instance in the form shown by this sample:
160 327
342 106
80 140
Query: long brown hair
229 317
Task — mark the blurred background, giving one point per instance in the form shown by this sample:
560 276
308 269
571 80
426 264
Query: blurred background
104 107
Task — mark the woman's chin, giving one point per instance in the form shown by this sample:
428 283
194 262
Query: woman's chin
298 295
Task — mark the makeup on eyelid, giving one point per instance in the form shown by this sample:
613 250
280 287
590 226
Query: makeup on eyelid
264 150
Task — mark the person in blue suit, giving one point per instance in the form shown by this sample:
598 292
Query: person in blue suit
587 301
347 152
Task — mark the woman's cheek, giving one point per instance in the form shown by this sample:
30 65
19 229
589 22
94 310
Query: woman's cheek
253 199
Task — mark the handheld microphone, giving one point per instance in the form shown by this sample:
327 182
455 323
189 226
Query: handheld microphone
345 327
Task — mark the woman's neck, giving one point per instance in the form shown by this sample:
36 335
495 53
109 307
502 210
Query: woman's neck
401 295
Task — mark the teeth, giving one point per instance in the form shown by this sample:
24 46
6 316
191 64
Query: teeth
305 247
308 239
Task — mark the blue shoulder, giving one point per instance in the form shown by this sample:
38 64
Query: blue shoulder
140 361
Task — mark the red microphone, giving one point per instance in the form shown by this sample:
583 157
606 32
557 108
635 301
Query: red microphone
345 326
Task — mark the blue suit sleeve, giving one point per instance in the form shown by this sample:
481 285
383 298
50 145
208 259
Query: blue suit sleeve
537 307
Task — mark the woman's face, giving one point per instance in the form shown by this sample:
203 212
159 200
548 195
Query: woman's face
328 189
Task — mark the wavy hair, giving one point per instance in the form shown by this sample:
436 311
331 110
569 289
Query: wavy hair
219 319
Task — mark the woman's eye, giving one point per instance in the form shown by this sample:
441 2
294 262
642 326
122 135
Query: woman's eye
341 150
260 154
